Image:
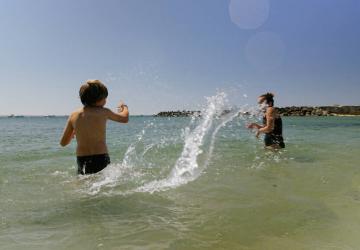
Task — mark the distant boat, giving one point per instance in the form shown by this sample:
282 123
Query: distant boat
15 116
50 116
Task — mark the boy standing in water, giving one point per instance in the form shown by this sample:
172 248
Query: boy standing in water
88 125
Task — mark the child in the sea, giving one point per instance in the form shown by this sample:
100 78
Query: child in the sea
88 125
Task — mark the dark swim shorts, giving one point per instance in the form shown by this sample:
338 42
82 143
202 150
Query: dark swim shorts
272 139
91 164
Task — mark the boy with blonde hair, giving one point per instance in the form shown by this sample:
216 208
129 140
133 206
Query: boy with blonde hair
88 125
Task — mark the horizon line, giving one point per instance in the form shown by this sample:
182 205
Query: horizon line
64 115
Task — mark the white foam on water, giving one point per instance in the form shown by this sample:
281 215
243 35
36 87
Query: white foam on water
60 173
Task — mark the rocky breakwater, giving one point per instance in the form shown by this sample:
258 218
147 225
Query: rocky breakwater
320 111
178 113
284 111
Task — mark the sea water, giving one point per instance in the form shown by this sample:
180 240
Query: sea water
183 183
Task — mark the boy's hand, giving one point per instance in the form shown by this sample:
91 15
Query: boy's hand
122 115
121 106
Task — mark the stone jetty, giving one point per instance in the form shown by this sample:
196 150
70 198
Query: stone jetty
285 111
320 111
178 113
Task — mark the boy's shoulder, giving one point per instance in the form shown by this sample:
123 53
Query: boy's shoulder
93 110
100 110
77 112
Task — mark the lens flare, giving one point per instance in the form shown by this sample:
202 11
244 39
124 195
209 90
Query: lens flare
249 14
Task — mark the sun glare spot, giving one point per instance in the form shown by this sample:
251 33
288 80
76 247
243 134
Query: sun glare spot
249 14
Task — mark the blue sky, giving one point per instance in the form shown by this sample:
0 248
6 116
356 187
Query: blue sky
168 54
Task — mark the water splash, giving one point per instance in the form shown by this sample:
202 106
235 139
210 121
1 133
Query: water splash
231 116
133 174
187 167
130 153
117 174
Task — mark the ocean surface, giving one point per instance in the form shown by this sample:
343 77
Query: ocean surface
183 183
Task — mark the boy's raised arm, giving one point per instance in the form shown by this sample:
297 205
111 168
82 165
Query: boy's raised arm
68 133
121 116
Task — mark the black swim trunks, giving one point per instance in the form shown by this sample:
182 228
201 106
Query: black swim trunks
91 164
273 139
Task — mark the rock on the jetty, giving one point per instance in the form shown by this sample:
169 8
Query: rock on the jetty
284 111
178 113
319 111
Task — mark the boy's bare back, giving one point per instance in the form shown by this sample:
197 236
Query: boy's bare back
90 130
88 124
